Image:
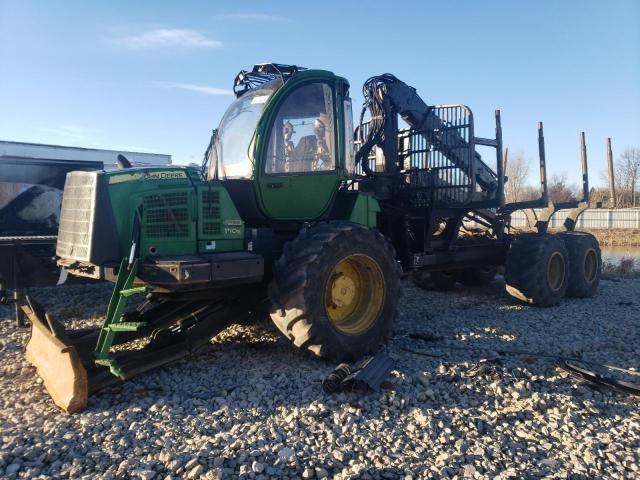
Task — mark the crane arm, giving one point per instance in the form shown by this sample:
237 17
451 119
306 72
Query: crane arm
386 95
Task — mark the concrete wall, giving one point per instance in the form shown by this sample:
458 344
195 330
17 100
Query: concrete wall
592 218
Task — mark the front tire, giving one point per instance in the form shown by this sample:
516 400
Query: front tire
537 269
335 290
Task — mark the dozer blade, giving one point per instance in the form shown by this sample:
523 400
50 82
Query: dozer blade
58 363
67 362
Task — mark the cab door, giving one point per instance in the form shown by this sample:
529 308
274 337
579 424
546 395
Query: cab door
299 163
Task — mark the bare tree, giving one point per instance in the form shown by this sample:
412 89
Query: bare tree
517 173
627 175
530 192
559 190
598 196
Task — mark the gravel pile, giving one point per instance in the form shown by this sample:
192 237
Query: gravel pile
252 406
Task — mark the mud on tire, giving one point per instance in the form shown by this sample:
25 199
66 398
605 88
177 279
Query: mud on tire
322 276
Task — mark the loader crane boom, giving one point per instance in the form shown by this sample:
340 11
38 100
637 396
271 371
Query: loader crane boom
386 95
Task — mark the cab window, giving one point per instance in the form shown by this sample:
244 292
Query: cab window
302 137
349 148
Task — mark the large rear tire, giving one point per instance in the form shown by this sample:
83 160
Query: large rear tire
537 269
335 290
585 263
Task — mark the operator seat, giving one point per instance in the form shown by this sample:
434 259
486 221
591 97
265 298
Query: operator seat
304 154
313 152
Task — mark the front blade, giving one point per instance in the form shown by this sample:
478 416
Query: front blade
58 363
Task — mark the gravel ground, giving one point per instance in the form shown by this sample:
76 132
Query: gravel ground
252 406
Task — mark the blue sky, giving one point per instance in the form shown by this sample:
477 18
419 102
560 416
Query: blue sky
156 76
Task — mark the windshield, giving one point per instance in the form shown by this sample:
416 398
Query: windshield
235 134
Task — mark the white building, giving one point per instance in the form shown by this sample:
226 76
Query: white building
17 150
32 178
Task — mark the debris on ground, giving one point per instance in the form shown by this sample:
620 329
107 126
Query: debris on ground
448 416
368 374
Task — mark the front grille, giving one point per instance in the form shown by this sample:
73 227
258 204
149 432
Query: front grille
165 200
166 230
76 215
210 212
211 228
210 196
166 215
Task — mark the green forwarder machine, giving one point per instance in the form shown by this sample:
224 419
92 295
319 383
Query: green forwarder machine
294 214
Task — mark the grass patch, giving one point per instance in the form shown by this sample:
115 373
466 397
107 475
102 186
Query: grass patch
616 237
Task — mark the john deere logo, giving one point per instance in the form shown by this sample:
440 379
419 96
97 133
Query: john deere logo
143 176
163 175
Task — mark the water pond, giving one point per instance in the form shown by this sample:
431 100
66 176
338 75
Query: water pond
615 254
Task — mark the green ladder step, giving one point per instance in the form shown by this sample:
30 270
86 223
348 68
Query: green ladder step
105 362
127 292
126 326
112 364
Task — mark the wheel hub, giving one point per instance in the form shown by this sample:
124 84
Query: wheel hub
591 265
354 294
343 291
556 271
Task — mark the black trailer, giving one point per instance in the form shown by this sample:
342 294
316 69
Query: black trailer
30 195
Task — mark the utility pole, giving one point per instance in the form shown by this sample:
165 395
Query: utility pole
612 183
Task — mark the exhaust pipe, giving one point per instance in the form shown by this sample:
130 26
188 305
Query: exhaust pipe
122 162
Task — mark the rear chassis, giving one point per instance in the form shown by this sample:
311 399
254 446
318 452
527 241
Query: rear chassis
443 208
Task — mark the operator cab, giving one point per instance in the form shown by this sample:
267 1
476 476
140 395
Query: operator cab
302 137
284 140
235 134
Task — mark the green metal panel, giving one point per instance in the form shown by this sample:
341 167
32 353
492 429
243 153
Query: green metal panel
168 222
220 228
181 214
298 196
166 197
365 211
356 207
